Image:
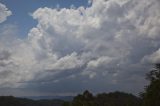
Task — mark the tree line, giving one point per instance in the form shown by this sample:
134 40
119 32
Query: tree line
105 99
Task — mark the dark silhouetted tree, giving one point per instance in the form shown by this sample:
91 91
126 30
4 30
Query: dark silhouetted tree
151 97
86 99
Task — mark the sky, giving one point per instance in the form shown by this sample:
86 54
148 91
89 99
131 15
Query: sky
63 47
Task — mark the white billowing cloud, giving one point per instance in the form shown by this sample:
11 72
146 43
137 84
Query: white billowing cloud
101 42
4 12
152 58
68 62
99 62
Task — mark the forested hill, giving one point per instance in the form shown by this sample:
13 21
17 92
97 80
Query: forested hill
13 101
105 99
85 99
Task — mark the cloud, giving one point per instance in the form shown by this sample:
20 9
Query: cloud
4 13
103 44
68 62
99 62
152 58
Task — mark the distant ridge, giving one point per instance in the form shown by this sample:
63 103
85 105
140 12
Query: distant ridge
14 101
65 98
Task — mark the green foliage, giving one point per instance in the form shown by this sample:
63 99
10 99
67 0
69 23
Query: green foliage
104 99
86 99
151 97
67 103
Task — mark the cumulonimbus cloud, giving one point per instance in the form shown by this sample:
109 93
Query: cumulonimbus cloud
109 39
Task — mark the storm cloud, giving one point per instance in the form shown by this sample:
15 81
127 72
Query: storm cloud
103 47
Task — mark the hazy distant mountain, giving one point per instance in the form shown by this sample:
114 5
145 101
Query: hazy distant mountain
65 98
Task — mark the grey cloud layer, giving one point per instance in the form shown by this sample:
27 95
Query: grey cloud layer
107 44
